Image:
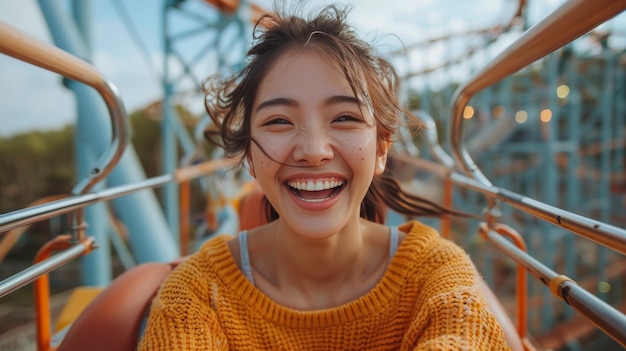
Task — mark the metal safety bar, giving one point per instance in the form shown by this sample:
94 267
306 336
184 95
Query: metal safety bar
22 46
599 232
33 214
607 318
570 21
33 272
603 315
604 234
433 140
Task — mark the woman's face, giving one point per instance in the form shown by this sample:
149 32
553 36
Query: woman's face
315 149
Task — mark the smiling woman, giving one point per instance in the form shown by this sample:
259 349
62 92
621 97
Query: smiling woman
313 115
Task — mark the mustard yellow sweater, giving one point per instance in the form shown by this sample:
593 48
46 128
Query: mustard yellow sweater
427 300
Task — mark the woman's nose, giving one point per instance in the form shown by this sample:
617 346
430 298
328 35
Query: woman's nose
313 148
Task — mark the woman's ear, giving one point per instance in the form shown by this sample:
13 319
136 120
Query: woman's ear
381 158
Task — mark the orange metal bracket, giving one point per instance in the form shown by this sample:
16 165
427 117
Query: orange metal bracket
41 287
185 207
522 280
226 6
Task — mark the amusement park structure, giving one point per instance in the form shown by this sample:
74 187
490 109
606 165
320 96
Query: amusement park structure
536 145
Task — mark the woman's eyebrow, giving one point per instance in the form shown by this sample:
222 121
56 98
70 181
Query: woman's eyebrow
277 102
331 100
340 99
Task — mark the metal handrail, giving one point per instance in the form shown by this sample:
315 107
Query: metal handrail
570 21
599 232
22 46
607 318
37 213
603 315
48 210
33 272
602 233
433 140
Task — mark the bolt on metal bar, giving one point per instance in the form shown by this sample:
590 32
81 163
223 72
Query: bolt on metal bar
604 316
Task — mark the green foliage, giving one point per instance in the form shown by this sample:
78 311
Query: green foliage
34 165
146 139
41 163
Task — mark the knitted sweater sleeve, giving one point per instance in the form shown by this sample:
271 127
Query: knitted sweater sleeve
452 313
181 317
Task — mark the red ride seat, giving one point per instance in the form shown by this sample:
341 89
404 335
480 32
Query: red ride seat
112 321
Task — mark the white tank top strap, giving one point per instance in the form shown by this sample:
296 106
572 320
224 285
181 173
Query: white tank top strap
246 267
393 241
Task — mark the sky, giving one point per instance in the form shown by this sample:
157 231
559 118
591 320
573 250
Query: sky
34 99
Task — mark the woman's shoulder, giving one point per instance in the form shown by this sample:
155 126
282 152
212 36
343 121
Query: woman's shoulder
423 245
418 236
198 267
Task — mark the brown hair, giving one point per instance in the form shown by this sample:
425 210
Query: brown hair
229 103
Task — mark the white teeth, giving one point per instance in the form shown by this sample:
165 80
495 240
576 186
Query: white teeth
318 185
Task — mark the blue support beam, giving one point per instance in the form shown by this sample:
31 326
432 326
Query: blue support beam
150 238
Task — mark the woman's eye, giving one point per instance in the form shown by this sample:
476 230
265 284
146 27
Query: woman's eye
348 118
276 121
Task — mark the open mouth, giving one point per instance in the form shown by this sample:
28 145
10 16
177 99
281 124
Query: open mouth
316 190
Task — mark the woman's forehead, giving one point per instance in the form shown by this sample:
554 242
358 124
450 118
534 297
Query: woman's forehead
303 74
311 69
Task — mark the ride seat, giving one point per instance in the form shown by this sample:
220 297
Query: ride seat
252 209
113 320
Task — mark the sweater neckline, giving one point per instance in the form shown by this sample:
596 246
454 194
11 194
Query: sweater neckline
389 286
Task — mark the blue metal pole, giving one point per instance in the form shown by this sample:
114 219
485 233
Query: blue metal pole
96 267
140 212
168 126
